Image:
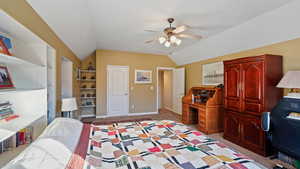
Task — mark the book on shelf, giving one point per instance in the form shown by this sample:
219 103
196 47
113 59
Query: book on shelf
24 136
6 145
5 110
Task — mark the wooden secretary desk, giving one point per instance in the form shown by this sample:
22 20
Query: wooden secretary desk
206 109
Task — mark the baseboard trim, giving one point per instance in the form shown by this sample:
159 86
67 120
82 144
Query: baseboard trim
129 114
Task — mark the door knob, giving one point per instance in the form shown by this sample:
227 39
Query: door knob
126 94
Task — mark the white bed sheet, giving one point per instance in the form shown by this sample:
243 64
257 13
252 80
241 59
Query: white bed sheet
53 149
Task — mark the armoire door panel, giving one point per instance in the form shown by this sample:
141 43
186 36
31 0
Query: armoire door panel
231 126
232 84
251 133
252 73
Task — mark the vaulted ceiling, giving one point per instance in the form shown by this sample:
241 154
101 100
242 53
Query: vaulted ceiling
86 25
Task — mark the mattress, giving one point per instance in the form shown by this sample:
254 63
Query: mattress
53 148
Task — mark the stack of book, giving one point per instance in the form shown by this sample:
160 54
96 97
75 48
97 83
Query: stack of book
24 136
5 110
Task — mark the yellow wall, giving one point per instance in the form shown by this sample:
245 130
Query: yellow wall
290 50
142 96
21 11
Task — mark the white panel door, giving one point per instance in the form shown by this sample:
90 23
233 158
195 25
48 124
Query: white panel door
178 89
118 98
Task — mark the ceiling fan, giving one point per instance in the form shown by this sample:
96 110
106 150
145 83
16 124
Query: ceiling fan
172 35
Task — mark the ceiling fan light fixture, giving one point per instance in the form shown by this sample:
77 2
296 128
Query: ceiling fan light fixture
162 39
178 41
173 39
167 44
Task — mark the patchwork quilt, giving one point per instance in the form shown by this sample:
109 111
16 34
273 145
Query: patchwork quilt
158 145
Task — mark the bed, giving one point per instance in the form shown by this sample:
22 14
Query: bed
69 144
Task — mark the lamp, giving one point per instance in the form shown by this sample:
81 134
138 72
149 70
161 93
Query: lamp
173 39
69 105
178 41
167 44
162 40
291 80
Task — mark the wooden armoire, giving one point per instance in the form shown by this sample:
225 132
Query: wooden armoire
250 89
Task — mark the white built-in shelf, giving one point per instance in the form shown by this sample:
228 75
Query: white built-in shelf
88 80
10 128
87 71
3 91
88 97
88 106
12 60
87 88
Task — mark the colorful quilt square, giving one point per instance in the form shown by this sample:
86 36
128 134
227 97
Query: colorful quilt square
166 146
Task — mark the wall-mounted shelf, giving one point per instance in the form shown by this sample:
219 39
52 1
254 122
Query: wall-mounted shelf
10 128
87 88
88 97
88 80
87 71
3 91
12 60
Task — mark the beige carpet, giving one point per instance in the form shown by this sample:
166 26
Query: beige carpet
167 115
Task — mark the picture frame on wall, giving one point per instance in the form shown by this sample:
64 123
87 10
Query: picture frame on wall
213 73
5 79
5 45
143 76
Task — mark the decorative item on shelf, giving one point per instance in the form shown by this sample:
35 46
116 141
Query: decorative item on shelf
5 45
93 77
83 77
5 79
91 67
68 105
88 95
89 103
94 95
143 76
93 86
6 112
83 86
291 81
82 95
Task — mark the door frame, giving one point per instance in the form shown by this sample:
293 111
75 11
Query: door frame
107 89
157 80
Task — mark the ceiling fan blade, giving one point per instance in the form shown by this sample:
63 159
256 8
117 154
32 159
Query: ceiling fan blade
180 29
148 30
190 36
150 41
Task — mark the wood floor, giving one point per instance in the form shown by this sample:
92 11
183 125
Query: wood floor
168 115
